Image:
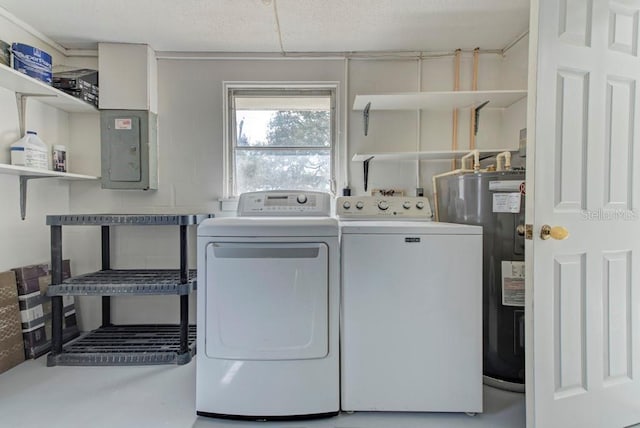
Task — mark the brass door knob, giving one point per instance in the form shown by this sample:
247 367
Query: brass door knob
555 232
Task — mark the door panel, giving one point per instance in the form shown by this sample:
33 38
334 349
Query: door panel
575 22
267 301
571 139
621 99
623 29
583 294
618 325
570 330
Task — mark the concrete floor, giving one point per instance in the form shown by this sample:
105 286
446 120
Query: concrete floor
33 395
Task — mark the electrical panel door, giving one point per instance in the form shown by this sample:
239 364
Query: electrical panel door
124 149
128 149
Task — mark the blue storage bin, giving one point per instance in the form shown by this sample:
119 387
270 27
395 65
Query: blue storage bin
32 61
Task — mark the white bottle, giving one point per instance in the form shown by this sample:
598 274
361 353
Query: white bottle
17 151
36 153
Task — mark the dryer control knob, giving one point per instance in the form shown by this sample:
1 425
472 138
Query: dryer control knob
302 199
383 205
359 205
420 205
406 205
346 205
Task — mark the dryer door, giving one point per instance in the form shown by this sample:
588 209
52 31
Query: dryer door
267 301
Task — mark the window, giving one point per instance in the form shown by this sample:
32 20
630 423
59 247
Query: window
280 138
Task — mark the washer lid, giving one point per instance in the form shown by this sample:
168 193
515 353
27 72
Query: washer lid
269 226
408 227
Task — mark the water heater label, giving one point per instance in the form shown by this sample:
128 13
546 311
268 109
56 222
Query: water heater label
512 283
506 185
506 203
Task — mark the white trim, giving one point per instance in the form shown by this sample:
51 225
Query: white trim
228 191
529 284
226 177
419 124
312 56
89 53
280 84
345 135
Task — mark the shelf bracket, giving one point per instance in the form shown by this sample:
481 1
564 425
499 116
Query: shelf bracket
366 172
23 193
21 100
365 117
476 113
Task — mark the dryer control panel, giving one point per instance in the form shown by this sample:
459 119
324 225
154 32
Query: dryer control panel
383 208
284 203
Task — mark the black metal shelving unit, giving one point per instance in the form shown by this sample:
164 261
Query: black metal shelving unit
123 344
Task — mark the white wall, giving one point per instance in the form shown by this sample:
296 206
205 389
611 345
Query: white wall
190 145
190 141
391 131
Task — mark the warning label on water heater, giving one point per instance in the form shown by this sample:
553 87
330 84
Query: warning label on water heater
512 283
506 203
505 185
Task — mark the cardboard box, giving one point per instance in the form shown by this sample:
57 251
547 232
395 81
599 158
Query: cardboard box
86 95
5 53
35 308
82 88
82 83
11 344
76 79
32 61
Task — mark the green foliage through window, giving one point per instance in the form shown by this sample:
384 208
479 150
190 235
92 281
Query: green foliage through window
282 148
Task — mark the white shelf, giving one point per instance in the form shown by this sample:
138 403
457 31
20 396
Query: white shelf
35 172
432 155
18 82
25 174
438 100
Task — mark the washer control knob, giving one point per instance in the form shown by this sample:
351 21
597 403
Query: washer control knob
406 205
383 205
420 205
302 199
359 205
346 205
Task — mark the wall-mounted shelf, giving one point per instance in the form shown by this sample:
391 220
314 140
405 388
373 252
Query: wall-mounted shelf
22 84
27 174
438 100
44 173
26 87
413 156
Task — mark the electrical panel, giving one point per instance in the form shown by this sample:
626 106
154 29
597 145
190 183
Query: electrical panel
129 153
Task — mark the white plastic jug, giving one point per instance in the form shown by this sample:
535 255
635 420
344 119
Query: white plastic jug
30 151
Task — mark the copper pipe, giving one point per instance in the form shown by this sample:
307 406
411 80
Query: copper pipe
456 87
474 87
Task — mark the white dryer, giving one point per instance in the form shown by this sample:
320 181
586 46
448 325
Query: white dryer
268 309
411 327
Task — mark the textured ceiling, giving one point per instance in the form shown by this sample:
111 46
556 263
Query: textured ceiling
258 25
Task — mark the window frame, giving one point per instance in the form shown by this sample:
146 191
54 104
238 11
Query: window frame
233 89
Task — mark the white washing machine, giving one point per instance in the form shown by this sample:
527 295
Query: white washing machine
411 326
268 309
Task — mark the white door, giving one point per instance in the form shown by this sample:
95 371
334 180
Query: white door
583 367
